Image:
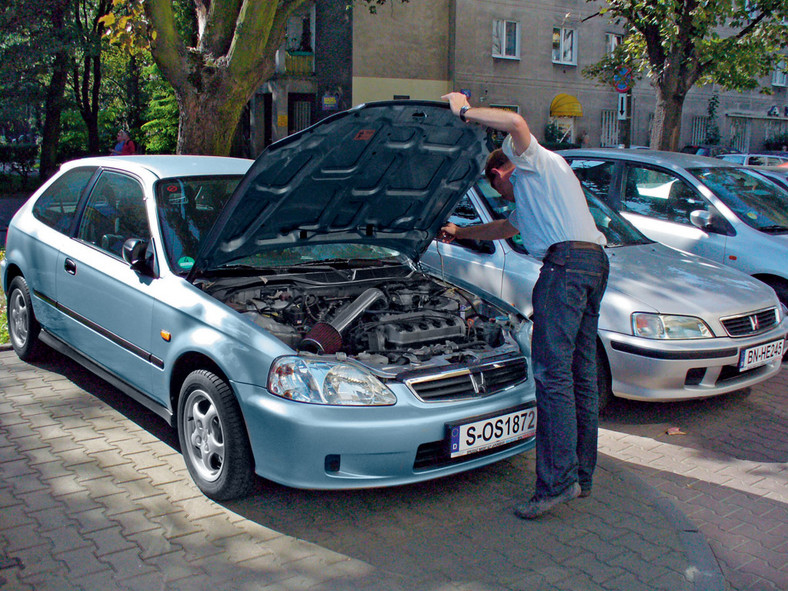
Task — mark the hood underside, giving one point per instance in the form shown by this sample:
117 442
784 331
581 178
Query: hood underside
385 174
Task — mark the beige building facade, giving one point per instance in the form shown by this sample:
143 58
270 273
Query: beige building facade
528 55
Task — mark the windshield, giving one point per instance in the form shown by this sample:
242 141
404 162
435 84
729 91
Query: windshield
187 208
757 201
617 230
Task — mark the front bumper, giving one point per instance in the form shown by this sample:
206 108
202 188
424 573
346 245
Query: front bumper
664 370
326 447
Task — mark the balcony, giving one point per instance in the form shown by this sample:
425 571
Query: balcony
296 63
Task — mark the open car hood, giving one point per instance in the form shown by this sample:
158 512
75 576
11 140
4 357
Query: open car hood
385 174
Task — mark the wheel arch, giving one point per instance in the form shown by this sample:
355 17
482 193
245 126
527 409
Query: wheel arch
186 364
779 284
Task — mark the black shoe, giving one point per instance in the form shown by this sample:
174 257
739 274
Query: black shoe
536 507
584 492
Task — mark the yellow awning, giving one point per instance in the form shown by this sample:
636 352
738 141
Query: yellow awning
566 105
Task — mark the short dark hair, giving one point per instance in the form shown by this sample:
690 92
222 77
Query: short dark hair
496 159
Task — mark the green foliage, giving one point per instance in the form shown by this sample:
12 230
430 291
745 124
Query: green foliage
777 142
161 129
713 135
552 133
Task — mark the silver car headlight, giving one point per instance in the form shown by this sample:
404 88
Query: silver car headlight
320 382
663 326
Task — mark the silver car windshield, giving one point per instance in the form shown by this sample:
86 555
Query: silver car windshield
187 208
617 230
756 201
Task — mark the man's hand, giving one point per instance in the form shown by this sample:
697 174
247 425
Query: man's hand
457 101
448 232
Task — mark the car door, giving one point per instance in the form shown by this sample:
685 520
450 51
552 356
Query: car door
108 303
56 209
476 263
659 203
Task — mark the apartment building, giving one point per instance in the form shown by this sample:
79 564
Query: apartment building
525 55
528 55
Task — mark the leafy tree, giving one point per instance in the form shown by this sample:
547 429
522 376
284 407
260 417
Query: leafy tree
215 54
677 44
34 62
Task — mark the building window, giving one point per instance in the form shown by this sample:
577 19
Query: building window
700 127
564 46
506 39
612 40
780 77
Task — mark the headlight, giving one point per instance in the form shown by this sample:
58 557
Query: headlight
661 326
318 382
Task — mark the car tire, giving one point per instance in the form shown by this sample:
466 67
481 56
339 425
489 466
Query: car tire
23 328
213 439
780 287
604 381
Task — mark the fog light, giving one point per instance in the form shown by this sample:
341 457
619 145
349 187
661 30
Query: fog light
332 463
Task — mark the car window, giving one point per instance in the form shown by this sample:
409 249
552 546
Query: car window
187 208
595 175
464 213
757 201
735 158
660 195
617 230
757 161
57 205
114 212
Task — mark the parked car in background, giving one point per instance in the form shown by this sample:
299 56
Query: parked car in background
776 174
273 311
672 326
755 159
712 150
729 214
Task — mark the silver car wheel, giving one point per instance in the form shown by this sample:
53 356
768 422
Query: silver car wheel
204 433
18 319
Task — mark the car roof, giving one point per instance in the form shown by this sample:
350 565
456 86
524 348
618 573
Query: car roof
168 166
668 159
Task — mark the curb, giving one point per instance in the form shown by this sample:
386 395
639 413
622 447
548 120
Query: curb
704 570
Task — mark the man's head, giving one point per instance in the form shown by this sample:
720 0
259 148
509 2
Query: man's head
498 171
123 135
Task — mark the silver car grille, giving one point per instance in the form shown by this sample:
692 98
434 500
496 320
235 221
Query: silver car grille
750 324
469 383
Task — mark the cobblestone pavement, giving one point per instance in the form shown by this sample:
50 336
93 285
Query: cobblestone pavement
726 470
94 495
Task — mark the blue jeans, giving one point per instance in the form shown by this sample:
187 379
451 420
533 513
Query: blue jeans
566 301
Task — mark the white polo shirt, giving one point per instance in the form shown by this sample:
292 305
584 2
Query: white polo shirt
550 205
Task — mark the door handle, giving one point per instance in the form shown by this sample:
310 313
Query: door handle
70 266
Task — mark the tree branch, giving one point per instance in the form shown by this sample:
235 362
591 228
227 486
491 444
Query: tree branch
166 44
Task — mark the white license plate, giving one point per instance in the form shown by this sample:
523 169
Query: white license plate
484 433
755 356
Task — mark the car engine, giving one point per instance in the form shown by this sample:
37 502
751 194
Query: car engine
393 320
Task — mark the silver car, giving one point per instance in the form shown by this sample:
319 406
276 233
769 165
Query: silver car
729 214
672 326
274 311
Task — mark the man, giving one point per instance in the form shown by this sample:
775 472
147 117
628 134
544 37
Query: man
556 226
125 146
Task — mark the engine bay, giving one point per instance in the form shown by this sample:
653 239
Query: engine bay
398 318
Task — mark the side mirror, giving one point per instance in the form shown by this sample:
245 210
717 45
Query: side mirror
711 221
135 253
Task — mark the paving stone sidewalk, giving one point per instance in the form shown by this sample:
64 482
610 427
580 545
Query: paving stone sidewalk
94 495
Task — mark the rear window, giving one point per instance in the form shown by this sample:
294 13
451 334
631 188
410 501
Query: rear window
57 205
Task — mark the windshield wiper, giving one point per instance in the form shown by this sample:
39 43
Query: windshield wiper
773 229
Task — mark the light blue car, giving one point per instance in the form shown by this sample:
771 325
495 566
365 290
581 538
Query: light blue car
672 326
274 311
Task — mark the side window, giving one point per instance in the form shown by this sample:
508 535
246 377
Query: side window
58 204
594 175
660 195
465 214
115 212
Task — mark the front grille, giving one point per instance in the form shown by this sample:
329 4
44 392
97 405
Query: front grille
468 383
750 324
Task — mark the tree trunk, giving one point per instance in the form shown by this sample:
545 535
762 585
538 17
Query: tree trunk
207 122
53 108
666 129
